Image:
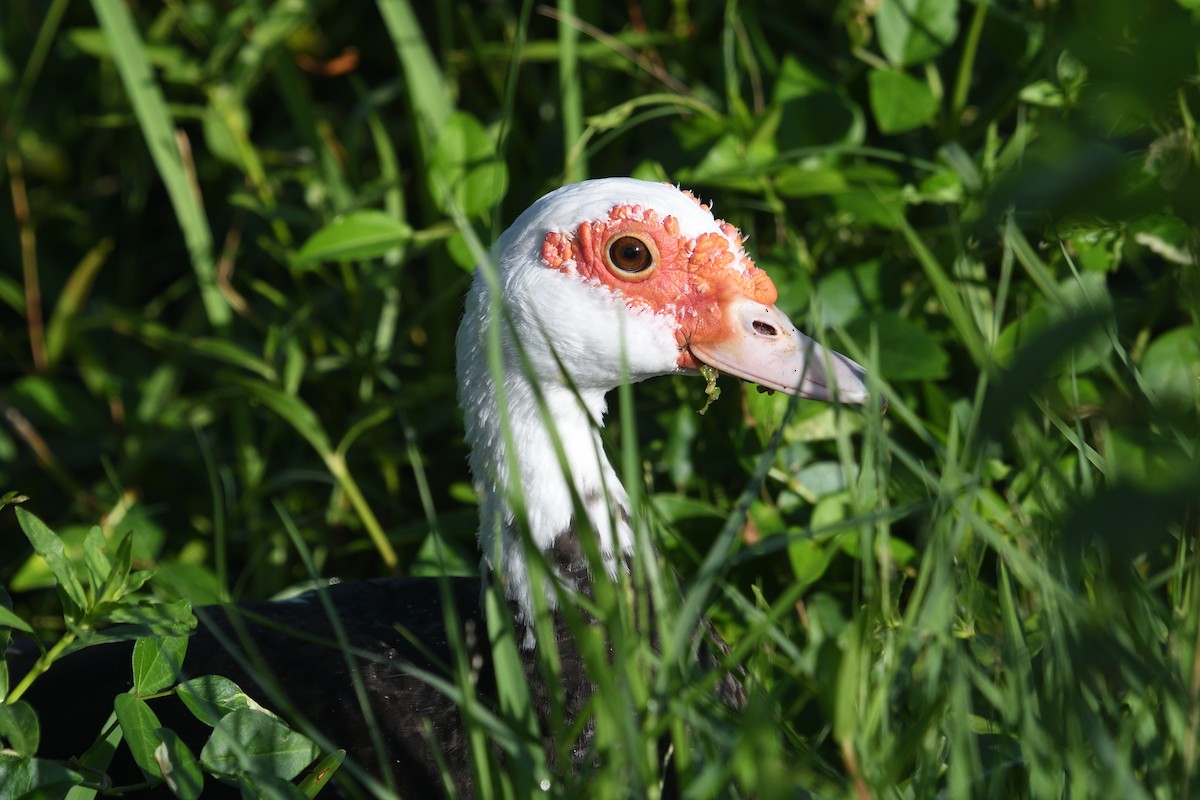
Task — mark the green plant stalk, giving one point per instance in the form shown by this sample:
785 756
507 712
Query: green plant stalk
220 538
337 467
29 267
121 791
40 666
570 92
962 83
37 59
73 298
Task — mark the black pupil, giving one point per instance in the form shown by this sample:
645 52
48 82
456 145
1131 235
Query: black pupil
631 254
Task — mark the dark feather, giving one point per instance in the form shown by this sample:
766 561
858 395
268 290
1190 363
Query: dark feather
286 655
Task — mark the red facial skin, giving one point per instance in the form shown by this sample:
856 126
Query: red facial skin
691 279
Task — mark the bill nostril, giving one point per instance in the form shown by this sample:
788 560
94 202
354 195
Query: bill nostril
764 328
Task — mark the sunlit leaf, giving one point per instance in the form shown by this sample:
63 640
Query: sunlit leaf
212 697
21 776
899 101
358 236
180 770
49 546
912 31
250 741
9 619
322 773
464 168
19 727
293 410
1171 365
906 352
140 726
157 663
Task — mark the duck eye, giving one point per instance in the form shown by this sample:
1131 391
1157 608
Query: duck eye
631 256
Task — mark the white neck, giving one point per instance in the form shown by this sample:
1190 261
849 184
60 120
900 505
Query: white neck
561 322
573 417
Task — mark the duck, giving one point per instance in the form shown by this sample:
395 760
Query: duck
595 284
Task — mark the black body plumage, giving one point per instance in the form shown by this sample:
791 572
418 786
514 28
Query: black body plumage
286 654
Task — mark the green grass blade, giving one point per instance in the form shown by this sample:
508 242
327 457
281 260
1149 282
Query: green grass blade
424 79
570 92
158 129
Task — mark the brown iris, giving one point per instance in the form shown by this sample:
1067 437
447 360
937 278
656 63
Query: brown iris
631 257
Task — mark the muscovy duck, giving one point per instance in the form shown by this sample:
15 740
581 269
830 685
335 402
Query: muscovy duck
598 282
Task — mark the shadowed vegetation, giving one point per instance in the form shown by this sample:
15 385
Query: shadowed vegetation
234 242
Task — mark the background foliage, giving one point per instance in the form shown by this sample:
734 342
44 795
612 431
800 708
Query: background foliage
236 236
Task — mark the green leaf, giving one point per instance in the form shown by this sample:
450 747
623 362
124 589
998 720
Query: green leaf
846 706
1043 93
464 170
100 754
294 411
51 400
226 125
19 727
9 619
809 181
217 349
11 294
157 663
813 113
322 773
73 297
734 163
21 776
817 480
133 620
906 352
269 787
212 697
881 206
913 31
47 544
1043 347
810 559
1171 365
139 725
180 770
138 622
1167 235
251 741
94 559
11 498
843 293
122 562
92 42
943 186
358 236
899 101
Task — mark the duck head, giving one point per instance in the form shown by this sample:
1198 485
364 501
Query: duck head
594 284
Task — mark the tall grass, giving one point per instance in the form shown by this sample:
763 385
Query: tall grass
235 241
